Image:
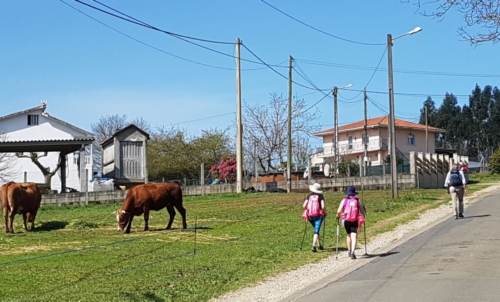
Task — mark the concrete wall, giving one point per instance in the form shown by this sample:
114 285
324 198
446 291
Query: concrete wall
430 169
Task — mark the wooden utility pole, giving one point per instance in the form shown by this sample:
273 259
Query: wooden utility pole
239 128
289 155
336 125
365 158
392 122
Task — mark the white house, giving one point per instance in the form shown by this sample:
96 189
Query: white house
34 132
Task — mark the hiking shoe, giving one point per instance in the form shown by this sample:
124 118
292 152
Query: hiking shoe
313 249
353 256
321 247
460 215
349 254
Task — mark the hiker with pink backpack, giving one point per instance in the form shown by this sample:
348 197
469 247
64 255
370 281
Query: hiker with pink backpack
352 212
315 212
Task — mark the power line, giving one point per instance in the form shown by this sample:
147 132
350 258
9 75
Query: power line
409 71
175 35
319 30
144 43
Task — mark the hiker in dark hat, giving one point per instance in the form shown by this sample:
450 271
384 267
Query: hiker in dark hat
351 210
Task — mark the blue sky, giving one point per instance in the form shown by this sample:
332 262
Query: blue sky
86 70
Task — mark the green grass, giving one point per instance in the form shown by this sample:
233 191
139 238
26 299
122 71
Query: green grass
77 254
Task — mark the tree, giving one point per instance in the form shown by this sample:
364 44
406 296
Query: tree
431 112
225 171
172 154
481 16
106 127
265 134
494 162
7 163
46 170
348 168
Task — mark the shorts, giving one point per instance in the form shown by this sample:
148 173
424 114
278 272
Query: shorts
316 223
351 226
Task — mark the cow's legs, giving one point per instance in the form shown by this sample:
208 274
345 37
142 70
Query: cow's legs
129 224
6 219
25 218
11 220
171 213
31 218
146 219
182 210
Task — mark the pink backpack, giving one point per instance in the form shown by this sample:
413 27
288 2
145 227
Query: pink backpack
314 206
351 209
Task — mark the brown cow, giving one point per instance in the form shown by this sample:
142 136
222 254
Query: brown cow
22 198
155 196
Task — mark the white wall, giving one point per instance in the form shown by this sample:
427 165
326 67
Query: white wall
17 129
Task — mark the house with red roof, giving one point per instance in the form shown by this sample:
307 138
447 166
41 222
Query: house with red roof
409 137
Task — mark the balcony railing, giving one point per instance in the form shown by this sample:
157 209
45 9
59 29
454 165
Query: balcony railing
355 147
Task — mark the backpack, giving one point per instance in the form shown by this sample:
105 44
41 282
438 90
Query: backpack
455 179
351 208
314 206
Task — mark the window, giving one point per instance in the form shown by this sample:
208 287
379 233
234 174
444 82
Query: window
32 119
363 138
411 139
349 139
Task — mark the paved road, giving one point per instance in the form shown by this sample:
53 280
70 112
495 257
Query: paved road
456 260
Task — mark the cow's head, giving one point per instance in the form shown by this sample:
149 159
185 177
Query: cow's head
123 219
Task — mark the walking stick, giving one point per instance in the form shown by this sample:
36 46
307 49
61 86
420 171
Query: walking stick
303 237
364 228
324 227
337 245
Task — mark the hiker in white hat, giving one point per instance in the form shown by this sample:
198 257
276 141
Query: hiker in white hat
314 212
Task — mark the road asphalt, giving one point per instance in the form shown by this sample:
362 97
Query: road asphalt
453 260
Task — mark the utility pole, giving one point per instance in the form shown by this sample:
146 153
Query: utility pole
426 133
336 125
239 126
392 122
289 155
365 158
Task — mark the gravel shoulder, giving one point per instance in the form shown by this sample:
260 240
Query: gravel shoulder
289 285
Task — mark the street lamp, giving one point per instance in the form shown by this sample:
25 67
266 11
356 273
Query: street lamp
392 127
336 125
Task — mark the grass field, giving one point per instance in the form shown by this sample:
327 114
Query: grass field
77 254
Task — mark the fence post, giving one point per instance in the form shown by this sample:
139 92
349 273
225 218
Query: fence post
25 176
202 179
86 187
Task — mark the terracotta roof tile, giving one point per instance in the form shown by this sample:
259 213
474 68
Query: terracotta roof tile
377 122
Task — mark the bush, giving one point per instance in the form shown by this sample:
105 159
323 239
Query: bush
494 164
348 167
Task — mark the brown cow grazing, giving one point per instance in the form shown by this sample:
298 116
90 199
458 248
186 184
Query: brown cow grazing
22 198
155 196
5 202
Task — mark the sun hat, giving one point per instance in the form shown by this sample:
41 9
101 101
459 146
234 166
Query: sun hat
315 188
350 191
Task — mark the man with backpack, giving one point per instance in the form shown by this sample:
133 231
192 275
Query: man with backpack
456 185
351 209
314 212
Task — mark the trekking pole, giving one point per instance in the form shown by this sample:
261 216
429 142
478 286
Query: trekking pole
364 228
337 245
324 227
303 237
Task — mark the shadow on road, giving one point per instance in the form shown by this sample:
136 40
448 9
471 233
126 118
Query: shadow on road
476 216
378 255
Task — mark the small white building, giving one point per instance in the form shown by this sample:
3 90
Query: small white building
57 145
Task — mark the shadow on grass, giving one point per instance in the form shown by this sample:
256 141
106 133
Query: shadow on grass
51 226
